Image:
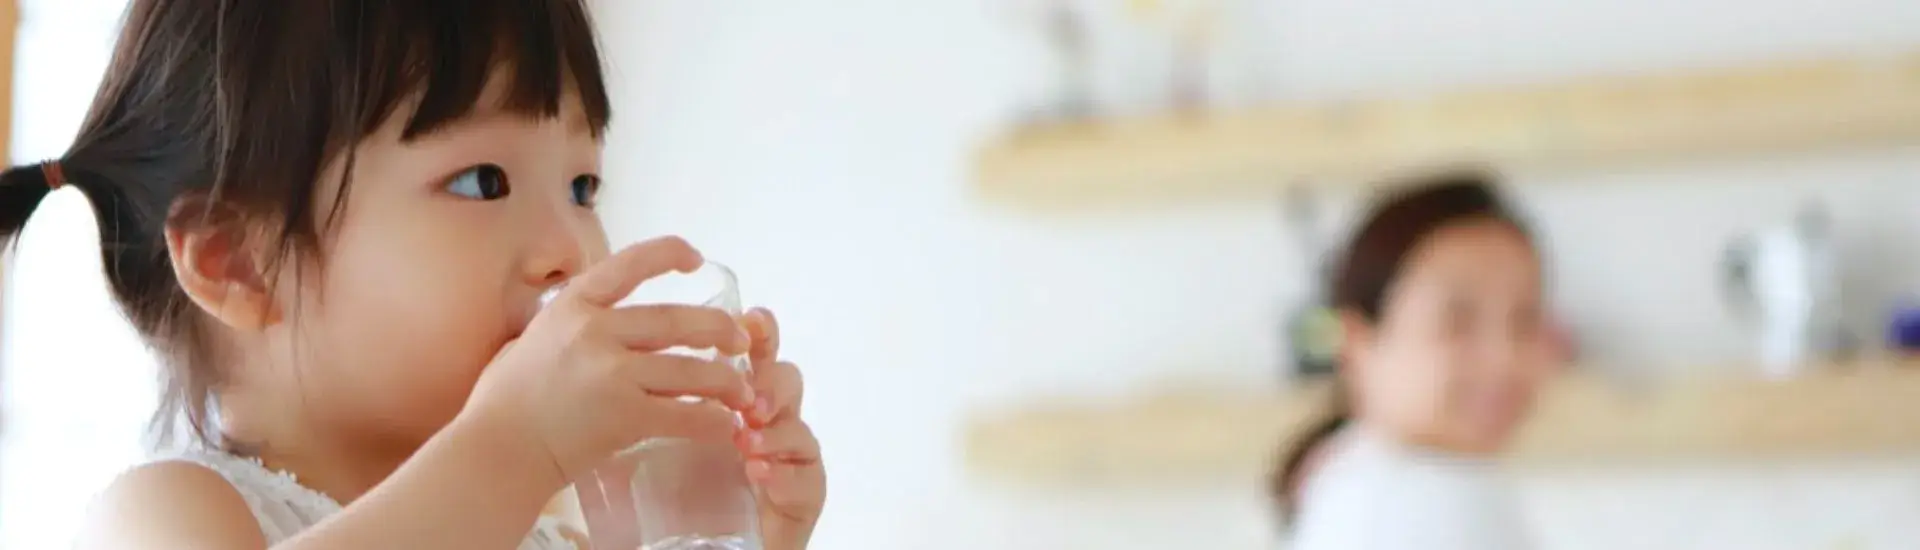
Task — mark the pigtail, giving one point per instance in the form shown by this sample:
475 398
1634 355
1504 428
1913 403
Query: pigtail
124 241
21 190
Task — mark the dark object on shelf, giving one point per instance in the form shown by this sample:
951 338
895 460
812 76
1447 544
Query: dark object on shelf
1066 31
1903 331
1312 328
1313 333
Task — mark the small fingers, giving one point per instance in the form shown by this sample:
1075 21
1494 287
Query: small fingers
796 491
790 442
615 277
765 331
780 388
656 327
695 420
675 376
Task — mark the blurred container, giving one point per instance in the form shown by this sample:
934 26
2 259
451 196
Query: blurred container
1903 329
1785 281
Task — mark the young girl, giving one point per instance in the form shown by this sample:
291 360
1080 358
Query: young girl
1444 343
333 221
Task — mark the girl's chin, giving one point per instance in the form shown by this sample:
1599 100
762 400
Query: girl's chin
1472 446
1490 437
1476 437
1458 439
1494 423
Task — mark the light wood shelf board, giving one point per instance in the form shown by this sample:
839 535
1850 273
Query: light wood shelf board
1834 412
1578 124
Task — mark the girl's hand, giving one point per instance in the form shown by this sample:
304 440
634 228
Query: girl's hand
586 380
783 458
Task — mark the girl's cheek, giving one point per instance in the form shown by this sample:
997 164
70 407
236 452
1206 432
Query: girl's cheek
1420 393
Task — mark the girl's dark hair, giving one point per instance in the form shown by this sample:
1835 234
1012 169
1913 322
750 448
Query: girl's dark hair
222 112
1398 223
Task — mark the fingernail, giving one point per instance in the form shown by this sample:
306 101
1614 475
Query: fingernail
755 441
762 410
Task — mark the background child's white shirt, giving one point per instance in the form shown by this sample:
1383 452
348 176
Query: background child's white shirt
1371 493
284 507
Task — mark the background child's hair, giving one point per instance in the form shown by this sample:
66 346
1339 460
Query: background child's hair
1397 225
221 114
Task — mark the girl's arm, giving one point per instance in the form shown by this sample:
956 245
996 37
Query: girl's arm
468 487
569 393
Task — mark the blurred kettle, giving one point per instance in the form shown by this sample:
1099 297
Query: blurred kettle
1784 281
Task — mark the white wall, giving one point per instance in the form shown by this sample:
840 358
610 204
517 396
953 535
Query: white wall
821 147
75 381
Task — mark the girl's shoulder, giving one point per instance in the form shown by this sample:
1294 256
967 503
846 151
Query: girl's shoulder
171 503
217 500
279 504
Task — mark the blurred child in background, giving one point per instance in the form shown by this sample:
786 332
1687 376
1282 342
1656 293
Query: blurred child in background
1445 339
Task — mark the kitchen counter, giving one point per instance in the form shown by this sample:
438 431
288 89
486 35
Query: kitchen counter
1866 409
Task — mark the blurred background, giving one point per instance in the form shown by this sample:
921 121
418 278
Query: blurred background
1005 237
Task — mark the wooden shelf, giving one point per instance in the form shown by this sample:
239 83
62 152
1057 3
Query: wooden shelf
1867 409
1583 123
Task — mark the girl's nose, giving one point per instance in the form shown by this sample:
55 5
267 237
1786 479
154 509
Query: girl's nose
559 252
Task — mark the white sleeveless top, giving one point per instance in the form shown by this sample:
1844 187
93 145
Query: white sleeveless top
1372 493
284 507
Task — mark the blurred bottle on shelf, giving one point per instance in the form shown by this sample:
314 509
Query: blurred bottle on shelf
1785 282
1189 31
1313 335
1312 328
1066 30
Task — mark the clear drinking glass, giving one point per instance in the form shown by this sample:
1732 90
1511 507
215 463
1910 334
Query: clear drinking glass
676 493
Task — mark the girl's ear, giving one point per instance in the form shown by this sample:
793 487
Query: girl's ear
217 260
1356 343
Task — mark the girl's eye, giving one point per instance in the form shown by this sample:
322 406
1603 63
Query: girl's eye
484 182
586 189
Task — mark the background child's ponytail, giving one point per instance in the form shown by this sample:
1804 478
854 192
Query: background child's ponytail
1289 474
